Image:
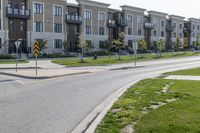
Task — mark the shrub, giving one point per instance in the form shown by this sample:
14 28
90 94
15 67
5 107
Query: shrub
5 56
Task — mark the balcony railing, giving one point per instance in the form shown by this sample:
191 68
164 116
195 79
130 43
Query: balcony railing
74 19
122 22
18 13
149 25
111 23
170 28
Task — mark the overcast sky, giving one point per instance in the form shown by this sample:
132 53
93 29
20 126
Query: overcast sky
176 7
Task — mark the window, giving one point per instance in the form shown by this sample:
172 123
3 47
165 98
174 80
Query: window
101 31
174 34
38 26
88 30
38 8
163 23
0 23
21 26
162 34
139 32
58 44
101 17
88 15
198 27
58 28
57 11
11 26
130 44
130 18
181 35
175 25
193 34
130 31
139 25
102 44
155 33
193 27
181 26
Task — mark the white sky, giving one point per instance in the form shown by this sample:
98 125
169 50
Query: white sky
183 8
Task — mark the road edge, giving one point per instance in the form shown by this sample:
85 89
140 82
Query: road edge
92 120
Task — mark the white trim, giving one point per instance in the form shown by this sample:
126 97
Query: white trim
2 18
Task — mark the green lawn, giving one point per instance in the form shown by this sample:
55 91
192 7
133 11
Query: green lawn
191 72
114 59
12 61
180 116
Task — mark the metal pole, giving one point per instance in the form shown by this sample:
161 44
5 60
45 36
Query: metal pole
36 71
16 59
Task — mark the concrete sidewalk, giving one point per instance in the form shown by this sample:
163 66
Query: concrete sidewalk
182 77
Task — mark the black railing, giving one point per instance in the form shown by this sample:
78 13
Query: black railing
122 22
74 19
149 25
18 13
170 28
111 23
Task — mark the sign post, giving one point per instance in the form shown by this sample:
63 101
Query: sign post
17 44
36 52
135 52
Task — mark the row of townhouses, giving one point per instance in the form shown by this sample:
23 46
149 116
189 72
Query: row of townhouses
56 21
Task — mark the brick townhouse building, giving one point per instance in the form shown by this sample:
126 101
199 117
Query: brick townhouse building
54 21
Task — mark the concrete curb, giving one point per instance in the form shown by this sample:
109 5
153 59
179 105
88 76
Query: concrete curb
90 123
43 77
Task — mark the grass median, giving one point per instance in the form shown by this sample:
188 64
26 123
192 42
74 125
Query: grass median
156 106
188 72
75 62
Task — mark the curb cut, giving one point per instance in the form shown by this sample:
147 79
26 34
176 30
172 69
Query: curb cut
90 122
43 77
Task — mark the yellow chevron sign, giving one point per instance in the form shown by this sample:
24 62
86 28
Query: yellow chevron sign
36 49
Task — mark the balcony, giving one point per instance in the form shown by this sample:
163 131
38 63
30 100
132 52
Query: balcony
188 29
149 25
122 22
169 28
74 19
111 23
18 13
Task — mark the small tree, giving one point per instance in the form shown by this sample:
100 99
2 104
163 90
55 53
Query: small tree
84 46
118 44
108 46
142 45
43 46
177 44
161 46
197 43
66 47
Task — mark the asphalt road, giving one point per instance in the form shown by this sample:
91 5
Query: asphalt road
59 105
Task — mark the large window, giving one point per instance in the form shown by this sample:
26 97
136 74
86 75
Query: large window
101 31
130 18
88 14
58 44
101 17
57 11
38 8
162 34
88 30
58 28
163 23
21 26
154 33
181 26
38 26
130 31
102 44
11 26
139 25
